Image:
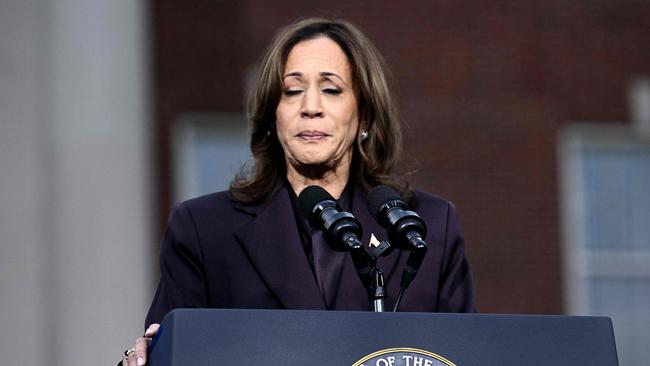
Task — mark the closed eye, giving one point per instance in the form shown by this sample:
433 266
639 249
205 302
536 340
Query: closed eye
332 91
292 92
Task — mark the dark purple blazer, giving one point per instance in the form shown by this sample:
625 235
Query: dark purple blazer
218 253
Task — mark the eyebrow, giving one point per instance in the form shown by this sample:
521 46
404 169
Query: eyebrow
322 73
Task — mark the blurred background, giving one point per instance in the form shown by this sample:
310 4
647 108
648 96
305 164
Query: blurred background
533 117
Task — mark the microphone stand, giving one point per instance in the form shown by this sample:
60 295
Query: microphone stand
375 285
377 292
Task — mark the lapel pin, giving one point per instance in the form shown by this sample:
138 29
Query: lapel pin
373 241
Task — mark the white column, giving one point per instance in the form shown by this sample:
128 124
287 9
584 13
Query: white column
22 221
75 167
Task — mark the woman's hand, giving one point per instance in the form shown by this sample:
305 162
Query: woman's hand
137 355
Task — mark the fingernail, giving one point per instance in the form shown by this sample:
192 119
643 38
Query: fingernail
140 361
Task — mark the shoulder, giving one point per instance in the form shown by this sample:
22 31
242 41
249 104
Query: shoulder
427 203
437 211
209 209
208 202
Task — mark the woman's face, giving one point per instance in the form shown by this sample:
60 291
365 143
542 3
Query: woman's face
316 118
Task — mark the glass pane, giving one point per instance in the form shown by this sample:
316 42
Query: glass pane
617 192
208 151
626 301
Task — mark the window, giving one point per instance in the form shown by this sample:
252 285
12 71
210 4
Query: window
605 186
208 150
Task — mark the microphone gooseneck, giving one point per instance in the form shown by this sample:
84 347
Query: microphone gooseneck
406 230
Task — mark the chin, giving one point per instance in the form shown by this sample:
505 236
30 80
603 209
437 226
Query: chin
311 163
313 159
314 162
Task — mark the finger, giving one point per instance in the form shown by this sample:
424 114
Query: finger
152 330
141 351
131 360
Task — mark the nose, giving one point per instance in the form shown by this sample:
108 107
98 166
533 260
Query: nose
311 105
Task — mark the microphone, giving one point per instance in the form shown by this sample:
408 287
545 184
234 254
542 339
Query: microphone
406 230
342 230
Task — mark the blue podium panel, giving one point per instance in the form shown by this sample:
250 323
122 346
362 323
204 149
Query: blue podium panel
202 337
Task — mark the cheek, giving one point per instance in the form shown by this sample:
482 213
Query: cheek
281 122
352 126
283 137
353 117
352 134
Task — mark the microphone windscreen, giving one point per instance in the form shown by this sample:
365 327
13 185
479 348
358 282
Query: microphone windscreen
310 197
377 197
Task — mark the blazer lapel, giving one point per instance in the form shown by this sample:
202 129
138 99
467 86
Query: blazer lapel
273 244
370 226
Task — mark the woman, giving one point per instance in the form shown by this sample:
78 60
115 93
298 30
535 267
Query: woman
322 113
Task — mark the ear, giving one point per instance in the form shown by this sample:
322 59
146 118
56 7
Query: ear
362 132
363 135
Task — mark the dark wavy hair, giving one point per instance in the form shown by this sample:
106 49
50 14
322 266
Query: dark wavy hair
374 157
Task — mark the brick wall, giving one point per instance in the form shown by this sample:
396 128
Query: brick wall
484 87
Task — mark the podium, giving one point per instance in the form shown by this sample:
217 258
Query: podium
202 337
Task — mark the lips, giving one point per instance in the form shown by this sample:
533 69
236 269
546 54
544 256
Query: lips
312 135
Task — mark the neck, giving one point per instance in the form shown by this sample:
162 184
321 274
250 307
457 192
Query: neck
333 180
